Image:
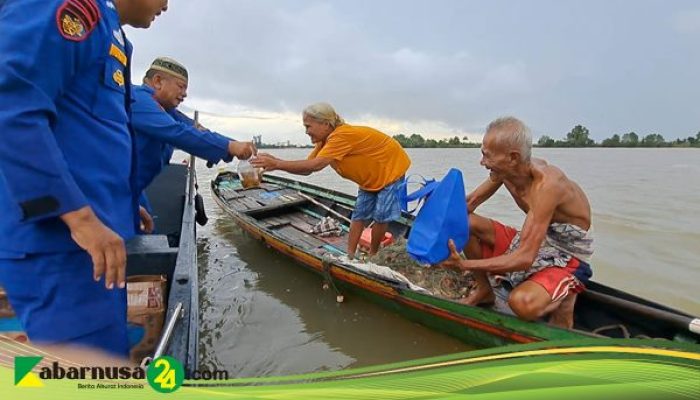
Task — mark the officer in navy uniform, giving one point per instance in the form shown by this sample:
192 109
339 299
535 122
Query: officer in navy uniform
67 166
160 127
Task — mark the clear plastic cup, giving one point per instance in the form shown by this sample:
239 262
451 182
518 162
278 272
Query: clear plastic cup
249 175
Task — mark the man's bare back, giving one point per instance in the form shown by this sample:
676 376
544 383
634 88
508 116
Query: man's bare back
573 206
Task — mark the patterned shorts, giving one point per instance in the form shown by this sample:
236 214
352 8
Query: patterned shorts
557 281
381 206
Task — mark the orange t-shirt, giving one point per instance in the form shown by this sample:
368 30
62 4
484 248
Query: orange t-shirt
364 155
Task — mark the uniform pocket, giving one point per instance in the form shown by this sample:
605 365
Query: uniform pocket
111 92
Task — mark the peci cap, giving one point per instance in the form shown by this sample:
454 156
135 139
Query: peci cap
170 66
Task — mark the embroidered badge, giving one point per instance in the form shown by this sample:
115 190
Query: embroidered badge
117 53
118 77
76 19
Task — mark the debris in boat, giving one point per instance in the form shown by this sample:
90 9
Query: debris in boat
440 282
327 226
145 313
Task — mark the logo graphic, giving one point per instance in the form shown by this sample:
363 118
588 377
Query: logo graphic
24 377
165 374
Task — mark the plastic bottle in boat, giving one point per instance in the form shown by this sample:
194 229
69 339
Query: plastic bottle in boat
249 176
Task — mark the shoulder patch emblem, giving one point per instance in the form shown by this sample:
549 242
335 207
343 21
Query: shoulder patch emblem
76 19
118 77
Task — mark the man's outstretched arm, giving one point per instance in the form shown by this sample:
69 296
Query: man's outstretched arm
534 230
482 193
298 167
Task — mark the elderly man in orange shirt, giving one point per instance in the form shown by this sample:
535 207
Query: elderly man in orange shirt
366 156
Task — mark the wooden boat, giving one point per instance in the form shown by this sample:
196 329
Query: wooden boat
281 211
172 252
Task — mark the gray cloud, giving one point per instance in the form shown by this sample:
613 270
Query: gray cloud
605 64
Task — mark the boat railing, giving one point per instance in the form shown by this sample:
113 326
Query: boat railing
167 334
191 183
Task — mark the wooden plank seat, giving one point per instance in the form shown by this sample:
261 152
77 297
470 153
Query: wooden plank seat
263 202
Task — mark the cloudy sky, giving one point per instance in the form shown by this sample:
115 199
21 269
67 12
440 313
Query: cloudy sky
439 68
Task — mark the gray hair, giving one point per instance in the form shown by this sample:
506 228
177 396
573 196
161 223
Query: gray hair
324 112
514 134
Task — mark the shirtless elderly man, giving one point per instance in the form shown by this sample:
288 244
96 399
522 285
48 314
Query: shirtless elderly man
547 261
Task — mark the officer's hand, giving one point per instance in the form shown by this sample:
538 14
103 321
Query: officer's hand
242 150
147 224
104 246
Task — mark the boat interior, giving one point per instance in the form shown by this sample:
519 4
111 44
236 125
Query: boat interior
289 210
171 252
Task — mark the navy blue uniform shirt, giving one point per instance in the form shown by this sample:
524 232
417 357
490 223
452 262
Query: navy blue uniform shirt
64 137
159 131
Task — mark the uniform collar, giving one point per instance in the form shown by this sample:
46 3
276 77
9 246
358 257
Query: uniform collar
146 88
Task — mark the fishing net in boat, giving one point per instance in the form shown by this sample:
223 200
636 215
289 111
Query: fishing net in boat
382 271
438 281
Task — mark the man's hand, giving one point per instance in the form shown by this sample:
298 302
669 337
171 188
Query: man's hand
147 224
454 261
104 246
266 161
242 150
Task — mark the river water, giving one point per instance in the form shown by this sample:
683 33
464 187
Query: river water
262 314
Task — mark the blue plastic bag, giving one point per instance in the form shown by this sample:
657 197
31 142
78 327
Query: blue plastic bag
443 216
427 187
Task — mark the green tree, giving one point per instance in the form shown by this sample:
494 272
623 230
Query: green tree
578 137
417 140
403 140
630 139
681 142
613 141
653 140
687 142
455 142
545 141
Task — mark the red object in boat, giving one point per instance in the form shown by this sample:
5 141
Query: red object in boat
366 238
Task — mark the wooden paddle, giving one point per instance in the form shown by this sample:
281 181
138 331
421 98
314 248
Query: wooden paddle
365 232
325 207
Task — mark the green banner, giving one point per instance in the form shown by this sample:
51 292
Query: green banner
595 369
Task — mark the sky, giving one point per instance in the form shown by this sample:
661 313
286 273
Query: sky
440 68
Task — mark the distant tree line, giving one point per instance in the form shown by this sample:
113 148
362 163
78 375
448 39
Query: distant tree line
578 137
418 141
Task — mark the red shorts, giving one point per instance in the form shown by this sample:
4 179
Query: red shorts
557 281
